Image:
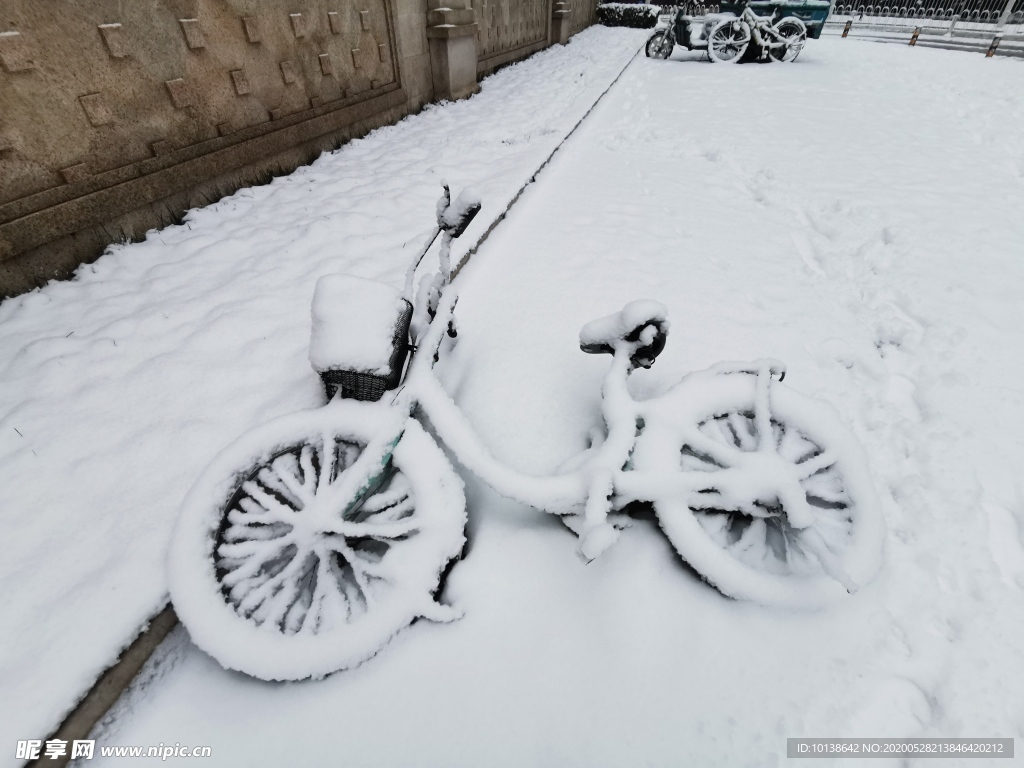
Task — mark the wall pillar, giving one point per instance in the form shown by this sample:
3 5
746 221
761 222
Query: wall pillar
451 33
560 22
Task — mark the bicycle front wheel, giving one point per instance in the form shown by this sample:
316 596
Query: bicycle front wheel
309 542
787 513
659 46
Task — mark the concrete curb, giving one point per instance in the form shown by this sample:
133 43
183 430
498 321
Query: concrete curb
541 167
110 685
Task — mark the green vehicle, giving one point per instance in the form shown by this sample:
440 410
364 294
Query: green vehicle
746 30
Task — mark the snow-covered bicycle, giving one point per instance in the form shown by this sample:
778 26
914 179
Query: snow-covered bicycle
727 36
310 541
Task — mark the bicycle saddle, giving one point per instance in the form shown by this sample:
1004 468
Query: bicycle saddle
641 327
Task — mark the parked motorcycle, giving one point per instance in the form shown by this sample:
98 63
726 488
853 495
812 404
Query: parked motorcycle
727 37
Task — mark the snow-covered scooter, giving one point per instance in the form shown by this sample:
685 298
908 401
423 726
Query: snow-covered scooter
311 540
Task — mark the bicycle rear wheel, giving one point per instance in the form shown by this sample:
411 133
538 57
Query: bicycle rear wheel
309 542
750 544
795 34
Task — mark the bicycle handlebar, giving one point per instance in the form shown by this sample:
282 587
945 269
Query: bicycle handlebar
452 218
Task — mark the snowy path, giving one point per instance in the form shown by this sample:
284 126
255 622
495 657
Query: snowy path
119 387
871 237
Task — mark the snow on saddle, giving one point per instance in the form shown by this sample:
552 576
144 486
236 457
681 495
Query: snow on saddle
641 328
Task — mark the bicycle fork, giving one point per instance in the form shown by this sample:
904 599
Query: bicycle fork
619 412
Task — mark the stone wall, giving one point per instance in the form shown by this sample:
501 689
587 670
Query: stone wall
584 13
118 115
510 29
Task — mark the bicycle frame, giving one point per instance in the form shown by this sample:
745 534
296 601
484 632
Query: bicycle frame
603 480
759 26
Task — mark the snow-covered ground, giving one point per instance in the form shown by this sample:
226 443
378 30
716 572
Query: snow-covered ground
856 214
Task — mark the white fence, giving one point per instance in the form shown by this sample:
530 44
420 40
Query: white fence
970 24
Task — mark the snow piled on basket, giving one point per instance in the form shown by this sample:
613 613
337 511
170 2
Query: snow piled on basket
354 323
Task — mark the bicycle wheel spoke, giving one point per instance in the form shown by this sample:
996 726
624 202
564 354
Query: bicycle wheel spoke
255 548
741 428
719 429
827 498
762 411
370 569
273 479
293 619
267 501
335 597
776 540
352 552
278 603
250 513
296 478
397 511
310 476
327 595
238 570
717 526
794 447
815 464
825 489
362 581
386 501
381 530
722 455
752 531
258 594
259 532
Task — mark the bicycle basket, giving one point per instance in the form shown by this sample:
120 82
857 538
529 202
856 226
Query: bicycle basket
359 340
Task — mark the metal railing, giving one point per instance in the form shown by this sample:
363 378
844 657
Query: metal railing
943 17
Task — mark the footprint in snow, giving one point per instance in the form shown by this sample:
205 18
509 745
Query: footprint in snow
808 254
1006 541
